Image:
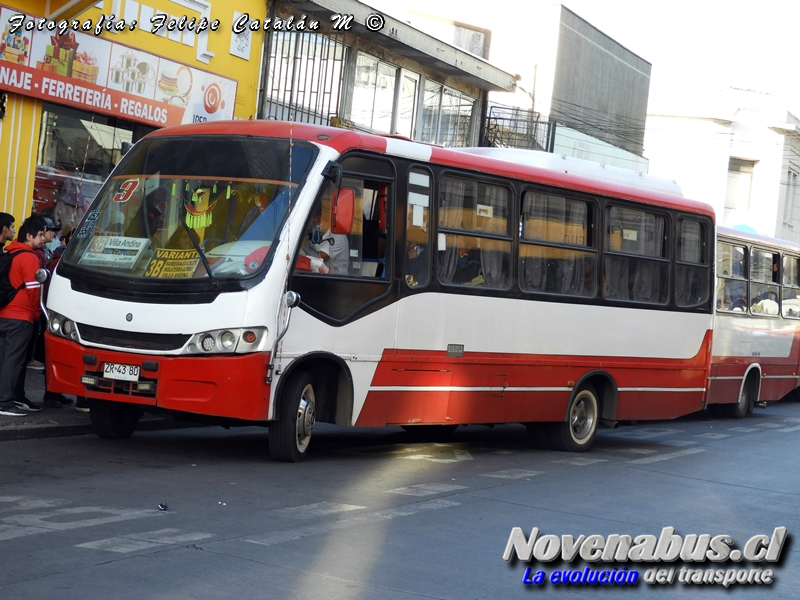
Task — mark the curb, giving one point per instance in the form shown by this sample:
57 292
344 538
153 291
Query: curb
48 430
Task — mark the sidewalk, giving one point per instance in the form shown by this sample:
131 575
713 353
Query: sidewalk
57 422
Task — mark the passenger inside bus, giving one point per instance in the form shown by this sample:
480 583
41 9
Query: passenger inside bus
767 305
417 264
468 267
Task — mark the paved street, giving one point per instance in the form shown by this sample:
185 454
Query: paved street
378 514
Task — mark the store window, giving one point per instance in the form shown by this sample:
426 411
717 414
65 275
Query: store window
384 97
446 116
76 152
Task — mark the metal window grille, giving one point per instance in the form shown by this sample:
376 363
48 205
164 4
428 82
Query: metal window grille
304 77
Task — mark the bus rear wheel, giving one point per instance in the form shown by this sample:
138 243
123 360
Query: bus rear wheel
113 420
290 435
577 433
744 406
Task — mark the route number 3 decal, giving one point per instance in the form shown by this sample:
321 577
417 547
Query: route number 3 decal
126 189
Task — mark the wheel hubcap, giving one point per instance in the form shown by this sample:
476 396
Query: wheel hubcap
582 417
306 417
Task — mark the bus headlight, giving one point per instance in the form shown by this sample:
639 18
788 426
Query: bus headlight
207 343
55 324
228 341
61 326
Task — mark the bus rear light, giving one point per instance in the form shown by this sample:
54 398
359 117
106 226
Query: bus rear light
145 386
90 380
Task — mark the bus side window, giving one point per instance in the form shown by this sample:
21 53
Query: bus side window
417 260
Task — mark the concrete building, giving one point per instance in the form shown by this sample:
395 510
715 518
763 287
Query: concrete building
394 79
740 152
579 92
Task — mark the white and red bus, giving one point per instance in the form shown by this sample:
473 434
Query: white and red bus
756 348
436 288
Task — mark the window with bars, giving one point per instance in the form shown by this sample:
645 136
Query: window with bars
304 77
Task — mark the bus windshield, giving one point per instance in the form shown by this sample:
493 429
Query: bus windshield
191 208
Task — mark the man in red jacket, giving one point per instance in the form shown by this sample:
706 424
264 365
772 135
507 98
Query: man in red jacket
17 318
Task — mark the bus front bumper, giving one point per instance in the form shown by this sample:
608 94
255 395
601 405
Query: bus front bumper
232 386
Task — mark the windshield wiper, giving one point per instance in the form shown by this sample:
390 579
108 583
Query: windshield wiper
214 280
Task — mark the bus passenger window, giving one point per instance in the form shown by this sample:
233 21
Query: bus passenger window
417 269
482 210
692 269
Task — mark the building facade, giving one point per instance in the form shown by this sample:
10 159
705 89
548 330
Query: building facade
75 99
741 154
391 79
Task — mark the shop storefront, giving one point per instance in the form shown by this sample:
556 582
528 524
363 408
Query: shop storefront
75 102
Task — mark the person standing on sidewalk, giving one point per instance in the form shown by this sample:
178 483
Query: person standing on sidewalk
18 317
6 229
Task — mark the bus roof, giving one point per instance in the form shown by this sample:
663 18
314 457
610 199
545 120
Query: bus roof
757 238
516 164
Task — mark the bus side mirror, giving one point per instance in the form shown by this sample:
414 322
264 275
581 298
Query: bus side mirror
342 211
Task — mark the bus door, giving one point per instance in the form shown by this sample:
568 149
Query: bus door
343 269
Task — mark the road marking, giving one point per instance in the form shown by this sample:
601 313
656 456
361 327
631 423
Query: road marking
31 504
24 525
792 420
648 433
788 429
770 425
713 436
171 536
427 489
457 456
145 541
120 545
679 443
744 429
670 456
512 474
580 461
316 529
313 511
632 450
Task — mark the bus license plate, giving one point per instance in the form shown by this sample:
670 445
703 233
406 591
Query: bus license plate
121 372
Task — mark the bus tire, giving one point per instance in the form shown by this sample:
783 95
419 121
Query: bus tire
744 406
113 420
577 433
290 435
537 435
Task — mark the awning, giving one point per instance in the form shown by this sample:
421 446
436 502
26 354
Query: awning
404 39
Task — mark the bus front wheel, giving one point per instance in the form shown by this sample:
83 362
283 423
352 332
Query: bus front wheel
577 433
113 420
290 435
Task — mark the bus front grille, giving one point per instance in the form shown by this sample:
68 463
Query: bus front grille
132 339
